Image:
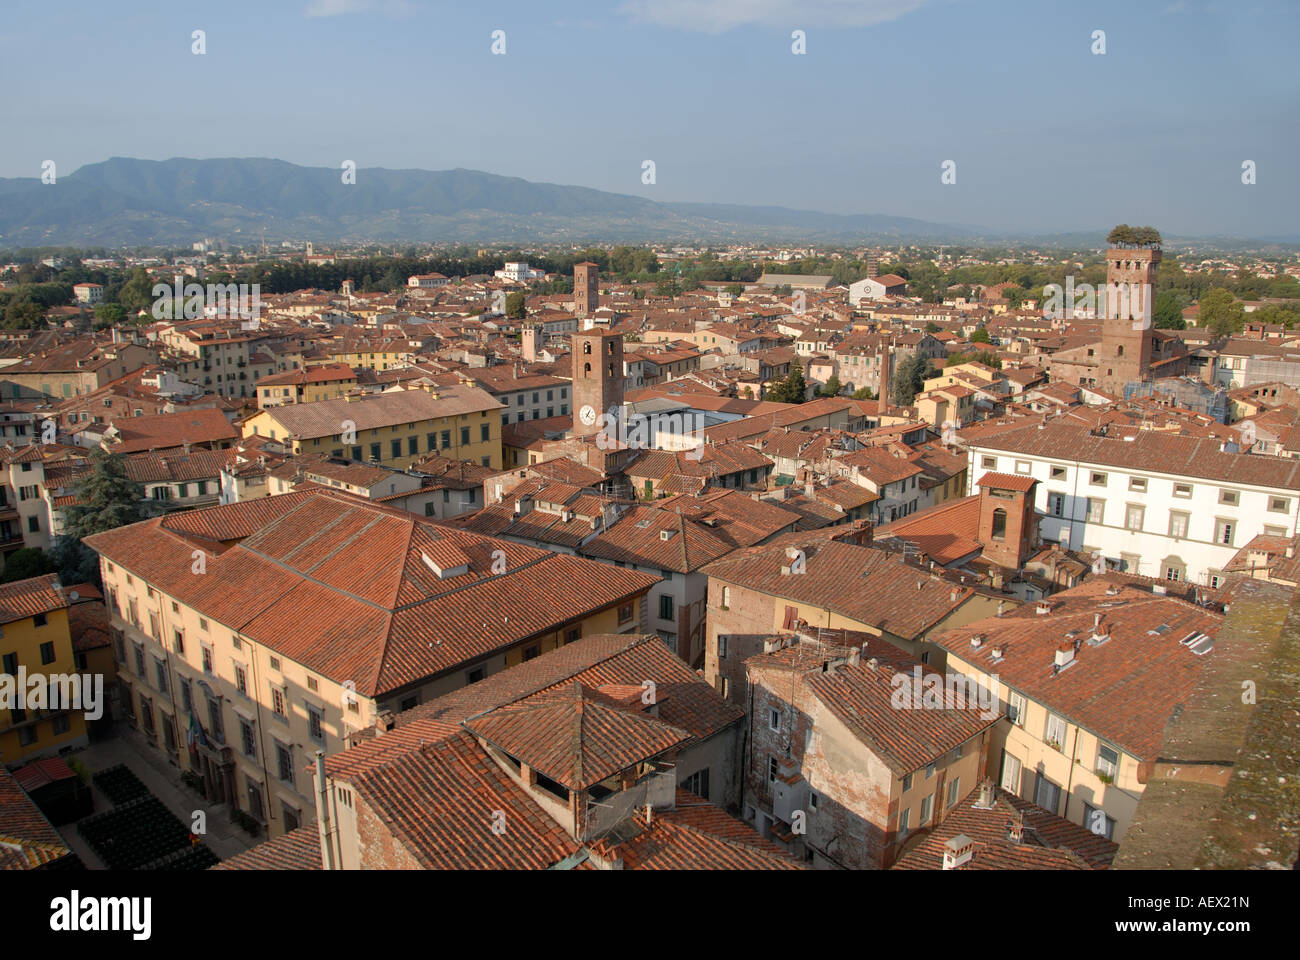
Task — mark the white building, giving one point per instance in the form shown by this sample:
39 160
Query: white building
1150 503
426 281
90 293
519 273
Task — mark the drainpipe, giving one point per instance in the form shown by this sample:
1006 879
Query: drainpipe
323 813
1069 781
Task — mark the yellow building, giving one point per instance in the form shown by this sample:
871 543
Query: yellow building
1084 714
395 428
35 642
241 665
311 385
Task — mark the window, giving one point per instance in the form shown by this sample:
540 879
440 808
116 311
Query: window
904 819
241 679
475 675
160 674
33 524
1097 822
464 436
313 684
1229 497
284 763
375 449
207 660
1097 479
665 607
1058 473
907 783
956 753
927 805
315 724
11 664
277 702
772 770
1223 531
178 642
929 770
139 659
1054 732
1173 568
446 439
999 524
625 613
1096 510
953 790
1056 504
572 634
1047 794
1137 484
1271 531
1107 761
1178 524
698 783
254 798
47 652
1279 504
248 738
203 624
187 695
1134 516
774 719
1183 490
989 463
722 646
533 652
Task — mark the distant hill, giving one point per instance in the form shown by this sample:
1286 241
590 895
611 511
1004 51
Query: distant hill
124 201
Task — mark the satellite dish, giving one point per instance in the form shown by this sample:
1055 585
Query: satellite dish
74 596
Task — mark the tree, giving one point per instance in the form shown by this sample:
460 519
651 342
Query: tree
735 289
864 393
668 287
24 563
515 308
909 377
109 315
932 327
23 314
109 498
792 388
137 293
979 336
986 357
1014 296
1167 312
831 388
1220 313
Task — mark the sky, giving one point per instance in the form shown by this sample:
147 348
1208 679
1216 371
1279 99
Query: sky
1044 134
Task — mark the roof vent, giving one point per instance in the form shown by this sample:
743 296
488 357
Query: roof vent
1043 608
666 534
977 640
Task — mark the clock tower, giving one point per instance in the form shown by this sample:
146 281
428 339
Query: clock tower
597 378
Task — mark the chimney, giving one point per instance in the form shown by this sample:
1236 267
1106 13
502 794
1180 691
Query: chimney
1016 827
1064 655
985 801
958 851
1043 608
855 657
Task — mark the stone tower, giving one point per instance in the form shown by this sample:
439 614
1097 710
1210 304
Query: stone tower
1007 520
530 339
597 378
586 296
1126 328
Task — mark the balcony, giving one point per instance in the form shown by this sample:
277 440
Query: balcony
658 789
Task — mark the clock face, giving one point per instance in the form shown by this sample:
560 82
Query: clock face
588 415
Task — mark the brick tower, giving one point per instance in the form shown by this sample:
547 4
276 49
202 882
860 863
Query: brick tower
597 378
1126 335
586 296
1007 519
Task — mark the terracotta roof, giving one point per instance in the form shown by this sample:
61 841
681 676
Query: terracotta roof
1123 689
172 430
340 585
1047 842
947 533
27 839
575 736
1006 481
296 850
872 586
27 598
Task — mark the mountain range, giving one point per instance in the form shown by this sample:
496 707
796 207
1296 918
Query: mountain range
125 201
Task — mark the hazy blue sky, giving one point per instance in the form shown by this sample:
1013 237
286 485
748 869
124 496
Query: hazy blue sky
1046 136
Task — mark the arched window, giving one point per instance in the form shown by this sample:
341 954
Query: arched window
586 347
999 524
586 369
